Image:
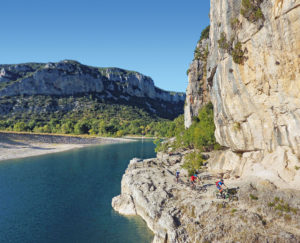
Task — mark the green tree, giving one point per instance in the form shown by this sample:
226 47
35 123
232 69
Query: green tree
193 162
67 127
20 126
31 124
101 128
81 127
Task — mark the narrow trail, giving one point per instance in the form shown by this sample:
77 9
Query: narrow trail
182 214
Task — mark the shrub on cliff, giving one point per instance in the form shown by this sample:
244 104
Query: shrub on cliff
205 33
251 10
222 42
235 51
198 53
238 53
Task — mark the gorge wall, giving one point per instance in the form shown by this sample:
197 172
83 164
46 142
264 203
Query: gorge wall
253 73
71 78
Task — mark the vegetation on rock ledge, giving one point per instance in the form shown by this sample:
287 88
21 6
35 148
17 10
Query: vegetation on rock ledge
205 33
202 54
251 10
237 53
223 43
199 137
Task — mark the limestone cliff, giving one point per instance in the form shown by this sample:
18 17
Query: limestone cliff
254 68
197 92
70 77
57 87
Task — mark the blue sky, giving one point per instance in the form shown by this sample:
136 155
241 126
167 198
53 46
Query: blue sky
156 38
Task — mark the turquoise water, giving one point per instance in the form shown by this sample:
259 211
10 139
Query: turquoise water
66 197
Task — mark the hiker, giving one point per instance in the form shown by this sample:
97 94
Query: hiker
219 185
197 177
177 175
193 180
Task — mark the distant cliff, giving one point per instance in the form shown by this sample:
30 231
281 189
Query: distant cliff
70 78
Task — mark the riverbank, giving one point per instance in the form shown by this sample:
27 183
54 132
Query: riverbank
139 137
21 145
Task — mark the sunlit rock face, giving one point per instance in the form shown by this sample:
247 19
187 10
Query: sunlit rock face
257 101
177 214
255 89
197 92
257 105
70 77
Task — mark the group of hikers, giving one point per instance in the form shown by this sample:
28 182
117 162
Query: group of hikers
195 177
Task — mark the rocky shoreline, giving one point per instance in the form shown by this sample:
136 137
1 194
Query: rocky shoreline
63 139
177 213
21 145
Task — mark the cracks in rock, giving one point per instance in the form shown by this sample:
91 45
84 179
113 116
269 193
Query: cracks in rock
252 69
241 151
134 206
166 238
212 74
169 194
244 42
247 116
288 138
280 176
286 12
285 158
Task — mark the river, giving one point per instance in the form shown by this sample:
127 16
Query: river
66 197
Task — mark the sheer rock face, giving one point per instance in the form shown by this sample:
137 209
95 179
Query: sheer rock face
70 78
257 104
197 92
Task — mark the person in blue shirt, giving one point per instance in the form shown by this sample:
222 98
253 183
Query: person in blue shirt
177 175
219 185
197 177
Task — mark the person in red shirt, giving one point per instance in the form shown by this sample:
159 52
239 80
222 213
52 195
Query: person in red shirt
193 181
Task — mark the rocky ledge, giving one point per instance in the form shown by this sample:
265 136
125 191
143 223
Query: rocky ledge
177 213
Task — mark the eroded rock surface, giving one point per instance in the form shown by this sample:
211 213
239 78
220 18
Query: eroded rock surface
253 67
197 92
257 103
176 213
70 78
